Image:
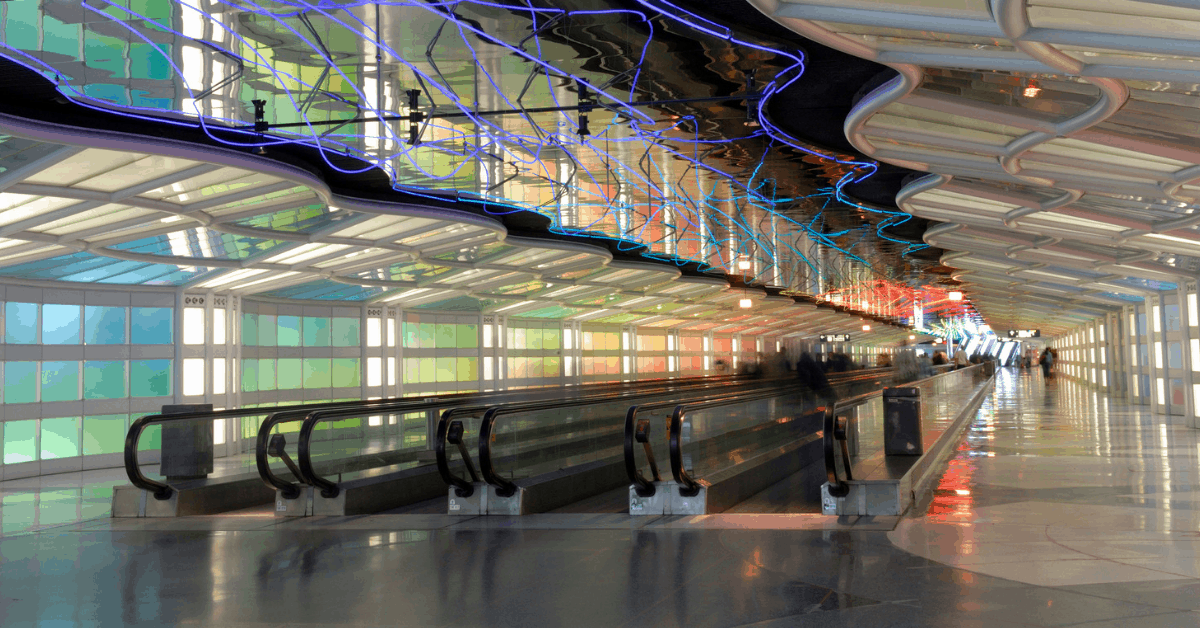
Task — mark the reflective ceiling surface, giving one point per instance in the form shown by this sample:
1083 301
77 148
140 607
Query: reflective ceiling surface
639 122
1059 136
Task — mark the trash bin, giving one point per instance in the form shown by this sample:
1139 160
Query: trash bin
902 422
187 446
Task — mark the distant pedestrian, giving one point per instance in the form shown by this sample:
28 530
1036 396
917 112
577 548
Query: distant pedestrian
961 359
1046 362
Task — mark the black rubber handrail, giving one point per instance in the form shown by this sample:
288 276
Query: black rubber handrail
163 491
639 431
689 486
330 489
837 428
506 488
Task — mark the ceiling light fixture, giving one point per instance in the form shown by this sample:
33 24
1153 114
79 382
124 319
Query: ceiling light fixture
743 263
746 303
955 295
866 328
172 219
1031 89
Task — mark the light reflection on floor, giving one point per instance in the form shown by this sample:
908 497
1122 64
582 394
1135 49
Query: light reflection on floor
1056 484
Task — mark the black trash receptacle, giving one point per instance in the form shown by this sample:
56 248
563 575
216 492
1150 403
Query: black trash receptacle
187 446
902 422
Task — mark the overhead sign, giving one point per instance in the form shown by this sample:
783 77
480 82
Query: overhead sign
835 337
1024 333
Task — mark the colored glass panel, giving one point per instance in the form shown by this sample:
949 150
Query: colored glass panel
60 324
150 378
104 379
60 381
150 325
60 438
20 441
317 373
20 323
345 332
347 372
20 382
316 331
289 331
103 325
290 374
103 434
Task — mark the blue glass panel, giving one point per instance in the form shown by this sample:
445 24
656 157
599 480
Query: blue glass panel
20 323
60 381
326 290
103 325
306 219
60 324
151 325
90 268
149 378
216 245
20 382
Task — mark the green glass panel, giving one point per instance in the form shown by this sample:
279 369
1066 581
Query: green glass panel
411 335
60 438
20 323
104 379
150 378
60 324
468 336
20 382
551 367
266 330
266 374
518 339
103 325
468 369
151 325
151 438
250 330
317 373
347 372
346 332
249 375
443 336
445 370
60 381
20 441
425 334
316 331
21 25
533 339
428 370
290 377
551 339
289 331
103 434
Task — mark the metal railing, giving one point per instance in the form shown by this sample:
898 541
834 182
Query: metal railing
164 491
464 405
837 427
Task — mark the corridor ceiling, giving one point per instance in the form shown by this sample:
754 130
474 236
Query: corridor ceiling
1060 138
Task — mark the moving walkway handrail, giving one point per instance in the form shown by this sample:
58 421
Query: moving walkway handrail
331 490
506 488
291 490
447 426
837 428
634 430
163 491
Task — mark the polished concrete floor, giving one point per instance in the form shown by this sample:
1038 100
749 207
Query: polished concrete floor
1060 507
